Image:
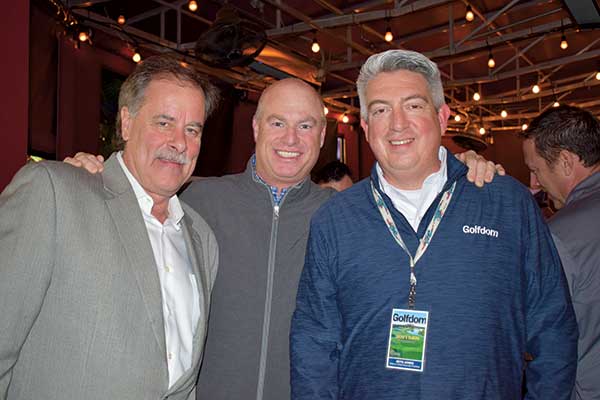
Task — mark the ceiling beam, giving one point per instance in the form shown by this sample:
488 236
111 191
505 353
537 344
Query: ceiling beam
353 19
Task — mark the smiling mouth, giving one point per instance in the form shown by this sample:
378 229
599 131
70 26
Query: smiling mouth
287 154
403 141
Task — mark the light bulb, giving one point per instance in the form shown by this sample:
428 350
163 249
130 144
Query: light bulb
83 36
469 16
192 5
563 42
457 117
476 96
491 62
121 20
325 110
388 35
598 76
524 127
315 46
535 89
345 119
136 57
504 114
556 104
482 131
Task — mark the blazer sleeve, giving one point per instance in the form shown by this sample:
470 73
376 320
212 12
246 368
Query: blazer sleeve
27 236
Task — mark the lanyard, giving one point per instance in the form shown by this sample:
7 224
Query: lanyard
423 242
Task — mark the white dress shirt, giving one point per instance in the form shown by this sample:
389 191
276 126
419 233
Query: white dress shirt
413 204
180 297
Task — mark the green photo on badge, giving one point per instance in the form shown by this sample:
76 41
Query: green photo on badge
407 342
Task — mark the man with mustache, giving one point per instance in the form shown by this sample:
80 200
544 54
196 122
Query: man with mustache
261 218
105 280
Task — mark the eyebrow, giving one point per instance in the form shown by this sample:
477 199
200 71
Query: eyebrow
171 119
411 97
282 118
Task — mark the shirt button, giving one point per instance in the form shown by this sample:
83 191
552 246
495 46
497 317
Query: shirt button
167 268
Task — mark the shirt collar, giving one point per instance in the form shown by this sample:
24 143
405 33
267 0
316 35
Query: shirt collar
146 202
277 196
434 181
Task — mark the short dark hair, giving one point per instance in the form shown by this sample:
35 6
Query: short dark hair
333 171
566 128
163 66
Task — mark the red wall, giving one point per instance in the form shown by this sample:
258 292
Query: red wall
14 80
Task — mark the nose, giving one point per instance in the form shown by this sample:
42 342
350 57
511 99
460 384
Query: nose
533 181
290 137
177 140
398 119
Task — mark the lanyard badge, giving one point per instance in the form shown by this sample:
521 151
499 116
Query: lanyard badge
408 328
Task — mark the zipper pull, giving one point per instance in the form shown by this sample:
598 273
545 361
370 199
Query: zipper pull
276 210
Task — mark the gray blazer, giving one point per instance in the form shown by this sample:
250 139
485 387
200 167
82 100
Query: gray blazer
80 299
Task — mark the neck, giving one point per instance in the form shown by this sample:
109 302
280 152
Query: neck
409 181
160 209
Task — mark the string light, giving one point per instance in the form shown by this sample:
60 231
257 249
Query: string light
457 118
388 35
535 89
491 61
388 32
121 20
556 104
192 5
524 127
504 114
315 48
476 96
137 57
83 36
345 119
469 16
482 131
563 42
325 110
598 76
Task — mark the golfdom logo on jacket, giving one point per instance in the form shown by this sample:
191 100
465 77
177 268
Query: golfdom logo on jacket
479 230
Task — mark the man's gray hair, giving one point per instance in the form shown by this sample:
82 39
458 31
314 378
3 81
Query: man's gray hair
133 89
394 60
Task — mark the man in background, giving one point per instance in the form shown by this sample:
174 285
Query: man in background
562 151
418 285
105 279
335 175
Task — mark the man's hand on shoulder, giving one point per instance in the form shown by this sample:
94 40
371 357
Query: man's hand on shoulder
93 164
481 171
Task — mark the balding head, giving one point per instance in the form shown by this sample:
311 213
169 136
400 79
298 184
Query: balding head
289 130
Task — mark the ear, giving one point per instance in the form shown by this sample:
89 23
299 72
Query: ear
323 133
443 115
365 126
566 161
255 127
125 123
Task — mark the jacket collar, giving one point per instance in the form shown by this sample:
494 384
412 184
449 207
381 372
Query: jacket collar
584 188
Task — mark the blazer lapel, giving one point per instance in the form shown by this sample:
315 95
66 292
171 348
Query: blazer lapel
127 217
193 244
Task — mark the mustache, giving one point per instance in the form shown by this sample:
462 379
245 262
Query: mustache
171 155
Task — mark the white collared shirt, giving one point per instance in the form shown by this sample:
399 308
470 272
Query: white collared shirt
413 204
180 297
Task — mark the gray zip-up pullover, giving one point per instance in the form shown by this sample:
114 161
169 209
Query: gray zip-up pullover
261 255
